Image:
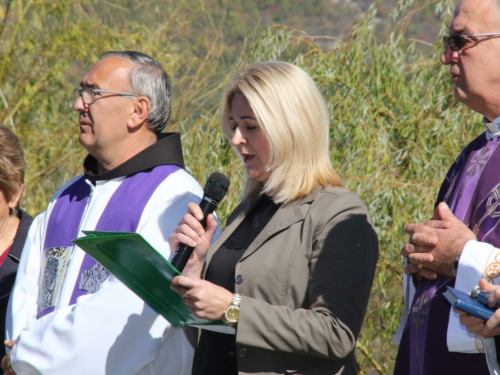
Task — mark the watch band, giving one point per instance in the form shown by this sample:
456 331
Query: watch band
454 265
231 314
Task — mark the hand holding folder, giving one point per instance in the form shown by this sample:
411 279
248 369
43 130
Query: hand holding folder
130 258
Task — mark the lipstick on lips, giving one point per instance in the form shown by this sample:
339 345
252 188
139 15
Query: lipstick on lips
247 157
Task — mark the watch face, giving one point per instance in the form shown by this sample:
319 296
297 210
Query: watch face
232 314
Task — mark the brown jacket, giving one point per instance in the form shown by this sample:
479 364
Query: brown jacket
305 283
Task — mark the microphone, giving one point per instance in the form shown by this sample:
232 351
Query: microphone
214 191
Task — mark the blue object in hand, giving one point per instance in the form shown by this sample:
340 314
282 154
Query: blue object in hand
481 296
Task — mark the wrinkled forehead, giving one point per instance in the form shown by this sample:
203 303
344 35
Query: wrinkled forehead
476 17
108 73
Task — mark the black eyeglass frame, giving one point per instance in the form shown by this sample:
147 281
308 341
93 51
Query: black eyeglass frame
457 41
82 93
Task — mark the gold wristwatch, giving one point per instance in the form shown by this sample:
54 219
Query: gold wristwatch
232 313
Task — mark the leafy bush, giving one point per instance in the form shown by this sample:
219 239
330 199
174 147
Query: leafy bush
395 126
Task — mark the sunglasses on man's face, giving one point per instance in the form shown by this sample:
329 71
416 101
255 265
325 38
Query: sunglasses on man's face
457 41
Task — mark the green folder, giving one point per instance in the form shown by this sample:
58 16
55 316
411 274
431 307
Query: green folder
146 272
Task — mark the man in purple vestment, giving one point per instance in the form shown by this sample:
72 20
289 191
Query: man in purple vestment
67 314
442 253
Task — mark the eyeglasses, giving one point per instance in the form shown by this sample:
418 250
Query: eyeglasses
88 94
457 41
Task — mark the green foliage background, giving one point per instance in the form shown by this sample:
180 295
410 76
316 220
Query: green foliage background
395 126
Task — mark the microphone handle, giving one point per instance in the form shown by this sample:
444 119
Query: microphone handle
183 252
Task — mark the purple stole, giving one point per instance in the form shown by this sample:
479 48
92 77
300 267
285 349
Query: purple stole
472 191
122 214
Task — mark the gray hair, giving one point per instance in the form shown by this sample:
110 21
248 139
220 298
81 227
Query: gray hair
149 79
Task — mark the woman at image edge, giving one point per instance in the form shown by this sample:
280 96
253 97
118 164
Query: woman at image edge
295 263
14 222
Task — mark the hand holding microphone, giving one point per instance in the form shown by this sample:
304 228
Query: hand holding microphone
215 189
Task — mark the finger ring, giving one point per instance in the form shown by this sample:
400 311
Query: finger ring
185 295
420 266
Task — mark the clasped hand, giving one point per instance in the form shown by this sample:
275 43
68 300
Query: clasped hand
434 245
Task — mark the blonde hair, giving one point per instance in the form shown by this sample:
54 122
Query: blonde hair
292 114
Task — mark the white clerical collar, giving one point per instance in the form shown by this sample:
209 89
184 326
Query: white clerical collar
493 128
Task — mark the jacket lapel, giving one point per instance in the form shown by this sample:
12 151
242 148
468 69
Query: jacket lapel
283 218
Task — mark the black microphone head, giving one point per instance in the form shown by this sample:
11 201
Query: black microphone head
216 186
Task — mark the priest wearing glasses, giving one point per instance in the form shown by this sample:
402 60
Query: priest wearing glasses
67 314
456 248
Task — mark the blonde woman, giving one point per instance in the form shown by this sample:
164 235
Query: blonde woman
293 269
